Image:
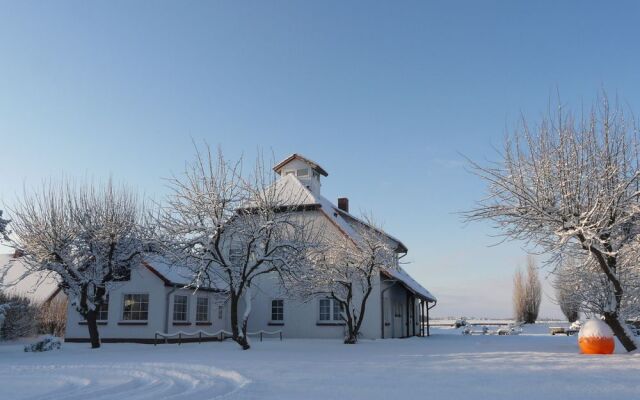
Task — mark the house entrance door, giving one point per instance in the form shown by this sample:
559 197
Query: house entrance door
397 320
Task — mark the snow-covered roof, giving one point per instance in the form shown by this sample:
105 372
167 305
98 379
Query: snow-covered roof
290 187
294 156
292 191
37 286
401 248
41 287
173 274
403 276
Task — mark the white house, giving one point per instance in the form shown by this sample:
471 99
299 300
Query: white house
155 298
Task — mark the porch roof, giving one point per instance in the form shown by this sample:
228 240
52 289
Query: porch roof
400 275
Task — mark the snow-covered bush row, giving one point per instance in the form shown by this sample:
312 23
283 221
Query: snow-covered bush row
17 317
47 343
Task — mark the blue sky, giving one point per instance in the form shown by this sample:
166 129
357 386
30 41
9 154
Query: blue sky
386 96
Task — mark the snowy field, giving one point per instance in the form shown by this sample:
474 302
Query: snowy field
447 365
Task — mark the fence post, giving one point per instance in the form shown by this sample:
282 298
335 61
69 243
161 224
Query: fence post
200 337
155 339
281 336
179 339
261 336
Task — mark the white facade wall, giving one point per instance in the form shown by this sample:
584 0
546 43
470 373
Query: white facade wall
145 282
311 182
302 318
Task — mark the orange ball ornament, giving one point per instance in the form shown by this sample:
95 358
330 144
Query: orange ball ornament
596 337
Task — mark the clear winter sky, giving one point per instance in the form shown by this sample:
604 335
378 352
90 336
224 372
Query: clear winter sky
384 95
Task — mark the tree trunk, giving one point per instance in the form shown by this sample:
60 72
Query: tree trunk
94 336
238 336
352 338
609 266
352 334
618 328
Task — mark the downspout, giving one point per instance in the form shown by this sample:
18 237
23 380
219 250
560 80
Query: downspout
406 300
382 307
166 308
429 308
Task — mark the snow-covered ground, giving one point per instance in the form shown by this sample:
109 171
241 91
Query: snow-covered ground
534 365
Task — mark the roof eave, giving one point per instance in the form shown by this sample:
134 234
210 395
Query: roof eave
294 156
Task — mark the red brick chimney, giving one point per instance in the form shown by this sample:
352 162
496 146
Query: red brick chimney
343 204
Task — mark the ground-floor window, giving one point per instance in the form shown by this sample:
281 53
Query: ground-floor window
135 307
202 309
330 310
277 310
180 308
220 312
103 310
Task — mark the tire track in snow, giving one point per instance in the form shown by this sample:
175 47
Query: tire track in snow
143 381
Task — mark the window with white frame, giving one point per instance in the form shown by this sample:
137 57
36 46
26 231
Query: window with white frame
235 255
303 172
220 312
277 310
330 310
103 310
180 308
135 307
202 309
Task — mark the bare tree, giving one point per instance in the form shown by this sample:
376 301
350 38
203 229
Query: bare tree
586 288
52 317
527 293
87 236
518 295
567 292
230 229
570 187
346 269
3 228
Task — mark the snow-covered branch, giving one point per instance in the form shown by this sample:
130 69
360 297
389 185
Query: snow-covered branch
229 227
569 186
87 236
346 269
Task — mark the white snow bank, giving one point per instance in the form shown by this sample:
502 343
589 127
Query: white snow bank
595 328
445 365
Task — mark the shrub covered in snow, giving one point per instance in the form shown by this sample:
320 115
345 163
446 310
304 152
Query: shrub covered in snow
576 325
460 322
17 317
47 343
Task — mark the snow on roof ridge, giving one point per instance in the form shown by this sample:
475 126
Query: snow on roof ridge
331 210
382 231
